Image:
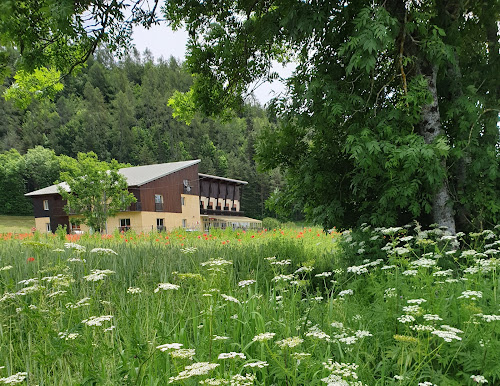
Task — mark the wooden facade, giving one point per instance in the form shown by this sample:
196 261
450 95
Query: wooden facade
222 195
55 211
170 187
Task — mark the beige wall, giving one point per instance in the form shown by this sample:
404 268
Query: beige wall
146 221
190 213
41 224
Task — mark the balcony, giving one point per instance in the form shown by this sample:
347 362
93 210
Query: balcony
220 212
134 207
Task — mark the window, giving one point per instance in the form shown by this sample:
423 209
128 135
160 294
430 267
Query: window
45 204
158 202
183 201
160 224
47 227
124 224
184 223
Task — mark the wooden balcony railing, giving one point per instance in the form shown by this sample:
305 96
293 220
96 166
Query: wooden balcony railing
220 212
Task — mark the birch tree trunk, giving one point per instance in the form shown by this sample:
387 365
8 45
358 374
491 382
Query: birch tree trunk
430 129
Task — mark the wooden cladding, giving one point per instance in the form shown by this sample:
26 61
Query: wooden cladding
219 189
55 205
170 187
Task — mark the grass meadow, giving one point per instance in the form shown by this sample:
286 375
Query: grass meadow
388 306
16 224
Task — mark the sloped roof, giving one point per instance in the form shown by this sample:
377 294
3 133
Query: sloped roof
135 175
52 189
140 175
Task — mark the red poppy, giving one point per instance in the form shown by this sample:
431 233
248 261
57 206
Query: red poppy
30 259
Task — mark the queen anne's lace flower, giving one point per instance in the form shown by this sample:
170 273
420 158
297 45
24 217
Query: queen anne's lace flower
263 337
290 342
166 287
232 355
14 379
200 368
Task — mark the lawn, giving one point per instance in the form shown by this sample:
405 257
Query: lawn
395 306
16 224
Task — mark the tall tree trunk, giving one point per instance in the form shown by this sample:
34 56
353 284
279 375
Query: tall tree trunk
430 129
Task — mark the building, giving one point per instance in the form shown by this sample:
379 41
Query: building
170 195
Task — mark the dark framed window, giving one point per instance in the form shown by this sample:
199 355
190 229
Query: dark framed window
158 202
160 224
124 224
45 204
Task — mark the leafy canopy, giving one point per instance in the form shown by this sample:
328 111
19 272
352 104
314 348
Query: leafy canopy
390 115
96 189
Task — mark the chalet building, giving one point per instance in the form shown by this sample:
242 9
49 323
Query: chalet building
170 195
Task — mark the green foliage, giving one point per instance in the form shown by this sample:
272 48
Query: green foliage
12 189
183 107
96 190
41 83
270 223
382 112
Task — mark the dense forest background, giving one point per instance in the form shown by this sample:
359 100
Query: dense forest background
118 109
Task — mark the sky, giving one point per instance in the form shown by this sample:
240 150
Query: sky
162 41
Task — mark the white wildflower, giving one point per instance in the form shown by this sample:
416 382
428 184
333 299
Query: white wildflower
98 274
416 301
169 346
14 379
76 247
97 320
423 262
283 278
406 319
200 368
245 283
230 298
390 293
430 317
189 250
471 295
68 336
259 364
362 334
346 292
281 262
166 287
488 318
422 327
447 272
134 290
410 272
183 353
478 379
290 342
232 355
263 337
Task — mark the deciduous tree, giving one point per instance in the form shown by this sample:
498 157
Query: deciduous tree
96 190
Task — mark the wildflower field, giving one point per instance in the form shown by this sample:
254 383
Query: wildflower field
384 306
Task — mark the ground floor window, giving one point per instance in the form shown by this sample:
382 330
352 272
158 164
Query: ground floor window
160 224
124 224
184 223
47 227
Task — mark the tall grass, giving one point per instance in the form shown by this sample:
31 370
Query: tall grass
359 308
